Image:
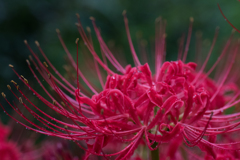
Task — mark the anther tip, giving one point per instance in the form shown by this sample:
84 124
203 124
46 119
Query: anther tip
57 30
20 100
78 16
124 12
45 64
92 18
10 65
9 87
28 62
37 43
158 19
233 30
77 24
191 19
4 96
88 29
25 41
12 81
76 41
25 80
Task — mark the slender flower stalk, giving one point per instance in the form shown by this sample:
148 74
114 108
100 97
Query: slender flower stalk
137 108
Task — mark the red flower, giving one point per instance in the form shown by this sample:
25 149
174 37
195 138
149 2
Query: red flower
9 151
135 107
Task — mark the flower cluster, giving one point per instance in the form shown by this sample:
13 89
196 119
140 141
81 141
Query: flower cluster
12 148
8 149
137 109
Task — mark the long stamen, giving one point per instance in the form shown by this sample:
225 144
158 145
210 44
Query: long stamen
226 74
227 19
208 56
106 50
135 58
188 40
224 51
90 47
95 62
77 63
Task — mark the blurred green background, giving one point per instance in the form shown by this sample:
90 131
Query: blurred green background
37 20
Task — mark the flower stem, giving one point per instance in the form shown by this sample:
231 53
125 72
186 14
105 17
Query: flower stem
155 153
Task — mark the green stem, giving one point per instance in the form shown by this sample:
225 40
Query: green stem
155 153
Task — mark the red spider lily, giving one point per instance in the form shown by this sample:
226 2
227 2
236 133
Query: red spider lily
8 150
11 147
135 107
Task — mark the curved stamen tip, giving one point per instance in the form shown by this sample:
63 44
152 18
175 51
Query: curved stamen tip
124 12
30 57
92 18
25 41
4 95
88 29
77 40
9 87
37 43
191 19
78 16
57 30
10 65
28 62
